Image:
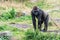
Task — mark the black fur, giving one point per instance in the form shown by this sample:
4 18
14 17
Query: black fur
41 16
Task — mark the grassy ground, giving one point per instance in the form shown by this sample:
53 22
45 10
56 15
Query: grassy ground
18 32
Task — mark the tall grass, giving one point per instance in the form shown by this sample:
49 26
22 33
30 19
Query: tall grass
37 35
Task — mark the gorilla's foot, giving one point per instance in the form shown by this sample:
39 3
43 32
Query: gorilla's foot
44 30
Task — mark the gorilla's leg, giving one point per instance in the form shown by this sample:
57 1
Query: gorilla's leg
34 21
40 24
46 23
34 24
39 27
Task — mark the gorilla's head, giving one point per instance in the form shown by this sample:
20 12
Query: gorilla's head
35 9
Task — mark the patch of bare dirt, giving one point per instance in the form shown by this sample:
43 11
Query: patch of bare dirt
20 25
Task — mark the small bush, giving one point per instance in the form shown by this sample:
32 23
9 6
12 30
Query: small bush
8 15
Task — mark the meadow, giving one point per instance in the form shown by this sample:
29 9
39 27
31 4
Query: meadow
8 17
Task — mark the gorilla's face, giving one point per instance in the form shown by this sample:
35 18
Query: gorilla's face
36 13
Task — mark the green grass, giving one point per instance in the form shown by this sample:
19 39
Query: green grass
22 19
37 35
9 14
22 34
29 34
17 32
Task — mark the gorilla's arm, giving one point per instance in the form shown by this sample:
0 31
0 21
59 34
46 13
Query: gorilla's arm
33 20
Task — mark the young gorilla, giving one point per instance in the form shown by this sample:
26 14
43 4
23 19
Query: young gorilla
41 16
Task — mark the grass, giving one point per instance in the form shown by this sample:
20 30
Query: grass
28 20
18 33
22 19
25 34
29 34
37 35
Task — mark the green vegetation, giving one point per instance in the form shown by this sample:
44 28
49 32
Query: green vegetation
4 38
15 31
37 35
8 15
23 18
29 34
25 34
